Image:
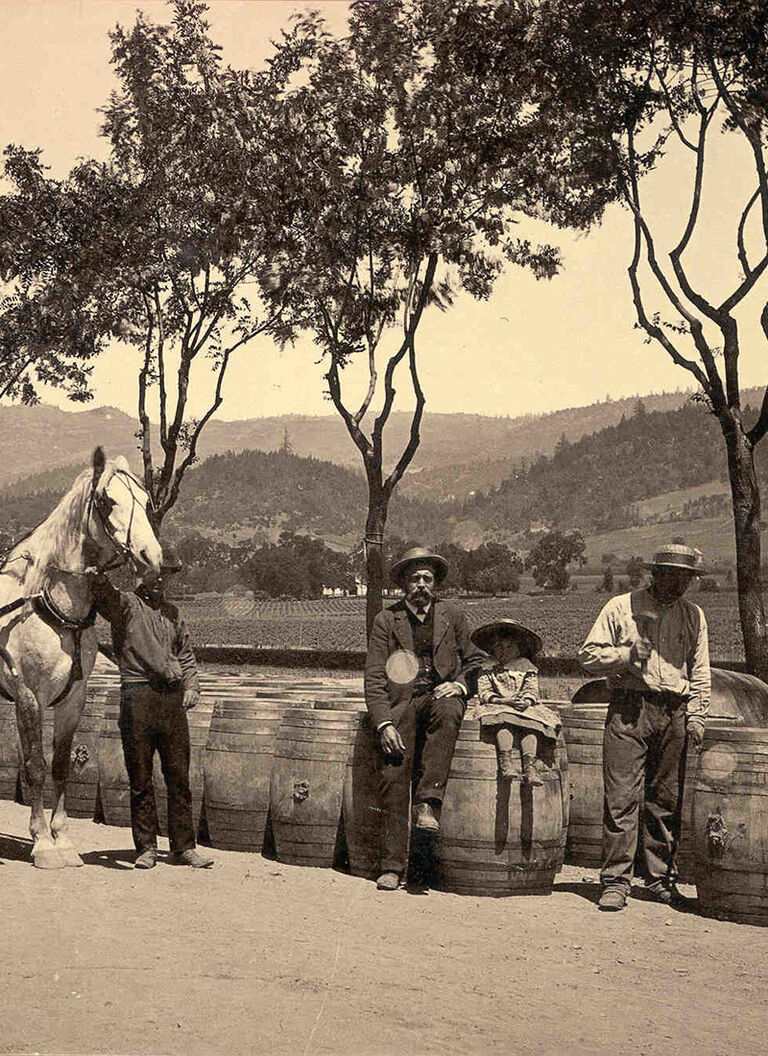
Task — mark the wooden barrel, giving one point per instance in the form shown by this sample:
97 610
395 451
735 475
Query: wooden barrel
500 837
310 763
339 703
9 750
83 783
114 786
361 804
735 697
730 824
583 726
237 766
199 720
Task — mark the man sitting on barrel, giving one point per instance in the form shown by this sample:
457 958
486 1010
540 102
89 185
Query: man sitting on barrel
652 645
415 689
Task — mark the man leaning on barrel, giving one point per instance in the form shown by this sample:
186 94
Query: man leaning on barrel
652 644
419 655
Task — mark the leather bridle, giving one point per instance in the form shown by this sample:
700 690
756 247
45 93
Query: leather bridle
100 504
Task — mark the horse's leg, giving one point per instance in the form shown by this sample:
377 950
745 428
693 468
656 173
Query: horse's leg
30 726
66 717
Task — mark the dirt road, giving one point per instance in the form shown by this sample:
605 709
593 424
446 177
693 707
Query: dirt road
258 957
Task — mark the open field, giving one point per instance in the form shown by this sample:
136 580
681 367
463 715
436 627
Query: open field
339 623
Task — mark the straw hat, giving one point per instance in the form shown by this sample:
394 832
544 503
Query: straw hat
530 643
676 555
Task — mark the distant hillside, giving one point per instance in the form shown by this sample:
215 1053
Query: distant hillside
648 477
258 494
597 483
250 495
461 452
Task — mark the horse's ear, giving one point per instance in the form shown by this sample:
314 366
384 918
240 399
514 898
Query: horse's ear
98 464
122 463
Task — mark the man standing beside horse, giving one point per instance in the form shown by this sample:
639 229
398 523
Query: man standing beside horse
158 684
419 655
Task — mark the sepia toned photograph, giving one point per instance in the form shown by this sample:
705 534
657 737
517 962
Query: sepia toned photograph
383 641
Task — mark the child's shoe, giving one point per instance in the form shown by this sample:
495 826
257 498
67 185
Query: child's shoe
506 767
530 773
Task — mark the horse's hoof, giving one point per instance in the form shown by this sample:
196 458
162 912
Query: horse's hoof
70 857
48 858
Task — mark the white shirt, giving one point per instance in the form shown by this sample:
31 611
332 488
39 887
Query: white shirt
679 660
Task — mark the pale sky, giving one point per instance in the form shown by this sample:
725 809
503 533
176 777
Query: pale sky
533 347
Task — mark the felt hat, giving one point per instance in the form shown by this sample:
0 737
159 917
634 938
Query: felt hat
419 555
676 555
530 643
171 561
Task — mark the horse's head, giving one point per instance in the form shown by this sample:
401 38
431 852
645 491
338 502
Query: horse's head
119 514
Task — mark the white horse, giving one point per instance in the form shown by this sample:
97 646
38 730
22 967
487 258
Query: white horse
47 640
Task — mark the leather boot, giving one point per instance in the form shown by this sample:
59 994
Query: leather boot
530 772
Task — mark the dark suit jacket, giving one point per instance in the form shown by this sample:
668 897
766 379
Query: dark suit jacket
453 654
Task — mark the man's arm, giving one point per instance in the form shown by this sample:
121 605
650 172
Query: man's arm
190 682
376 688
470 656
600 653
700 676
107 598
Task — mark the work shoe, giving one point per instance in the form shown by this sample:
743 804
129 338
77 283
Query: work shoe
191 857
666 894
530 772
388 882
424 818
147 859
612 899
506 766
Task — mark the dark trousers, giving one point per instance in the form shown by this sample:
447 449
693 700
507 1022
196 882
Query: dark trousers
642 753
429 729
149 721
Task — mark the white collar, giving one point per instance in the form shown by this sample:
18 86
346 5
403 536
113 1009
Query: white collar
420 616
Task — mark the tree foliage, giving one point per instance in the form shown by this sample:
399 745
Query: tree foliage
425 158
50 324
548 560
661 79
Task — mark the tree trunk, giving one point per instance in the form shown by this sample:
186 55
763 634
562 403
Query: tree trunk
745 496
374 554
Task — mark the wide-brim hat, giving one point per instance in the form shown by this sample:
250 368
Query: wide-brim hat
676 555
530 643
171 561
419 555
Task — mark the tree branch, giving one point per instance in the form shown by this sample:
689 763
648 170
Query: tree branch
146 440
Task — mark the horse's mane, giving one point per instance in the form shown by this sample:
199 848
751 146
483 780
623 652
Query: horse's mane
54 539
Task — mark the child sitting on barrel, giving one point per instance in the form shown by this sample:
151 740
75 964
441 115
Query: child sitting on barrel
508 696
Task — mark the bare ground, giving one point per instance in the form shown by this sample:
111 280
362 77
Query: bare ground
254 956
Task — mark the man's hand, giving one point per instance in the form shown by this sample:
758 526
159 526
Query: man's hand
448 689
641 650
391 741
191 699
695 732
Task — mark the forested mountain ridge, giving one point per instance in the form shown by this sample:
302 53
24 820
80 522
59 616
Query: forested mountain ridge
596 483
613 479
461 452
245 495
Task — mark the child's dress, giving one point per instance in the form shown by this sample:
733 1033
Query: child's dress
509 696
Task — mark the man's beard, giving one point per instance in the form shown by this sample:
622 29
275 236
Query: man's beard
420 596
